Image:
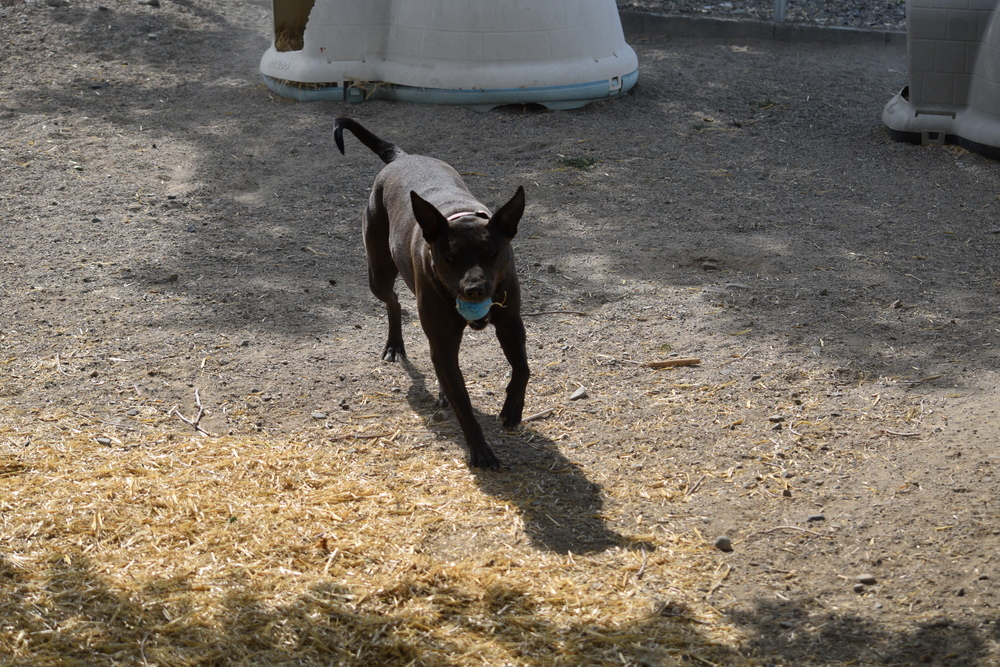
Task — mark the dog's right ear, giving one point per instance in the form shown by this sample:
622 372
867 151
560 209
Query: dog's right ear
509 215
431 222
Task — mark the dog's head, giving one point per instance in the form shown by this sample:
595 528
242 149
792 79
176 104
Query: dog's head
470 255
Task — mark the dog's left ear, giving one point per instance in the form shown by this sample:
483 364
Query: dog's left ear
509 215
431 222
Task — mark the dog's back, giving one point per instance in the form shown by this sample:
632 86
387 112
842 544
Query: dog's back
432 179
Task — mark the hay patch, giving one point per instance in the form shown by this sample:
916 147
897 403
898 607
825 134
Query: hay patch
320 549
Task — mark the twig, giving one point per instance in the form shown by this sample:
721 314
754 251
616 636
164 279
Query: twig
722 578
538 415
196 423
670 363
696 485
733 361
901 434
801 530
642 570
666 363
553 312
142 647
362 436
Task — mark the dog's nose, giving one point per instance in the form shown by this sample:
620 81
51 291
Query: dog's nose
474 285
474 292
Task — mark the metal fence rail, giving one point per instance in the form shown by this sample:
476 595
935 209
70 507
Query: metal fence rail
779 10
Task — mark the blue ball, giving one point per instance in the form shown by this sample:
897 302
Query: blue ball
473 310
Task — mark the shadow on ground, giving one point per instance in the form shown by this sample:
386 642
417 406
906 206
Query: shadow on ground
168 621
561 509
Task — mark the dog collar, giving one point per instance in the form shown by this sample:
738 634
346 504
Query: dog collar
479 214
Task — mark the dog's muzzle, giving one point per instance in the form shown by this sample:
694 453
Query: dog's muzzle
476 313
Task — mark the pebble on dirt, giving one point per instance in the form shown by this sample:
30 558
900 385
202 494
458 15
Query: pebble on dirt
723 543
581 392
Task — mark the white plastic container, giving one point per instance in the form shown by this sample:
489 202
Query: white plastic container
481 53
953 95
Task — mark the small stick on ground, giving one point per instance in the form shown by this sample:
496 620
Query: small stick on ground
554 312
196 422
742 356
670 363
697 485
666 363
538 415
361 436
777 528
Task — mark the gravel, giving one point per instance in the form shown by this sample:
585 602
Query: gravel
869 14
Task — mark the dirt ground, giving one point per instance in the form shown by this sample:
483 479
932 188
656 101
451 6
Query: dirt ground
175 233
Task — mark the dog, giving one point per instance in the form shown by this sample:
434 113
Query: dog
421 222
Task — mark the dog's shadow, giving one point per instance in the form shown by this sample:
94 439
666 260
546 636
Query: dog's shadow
561 509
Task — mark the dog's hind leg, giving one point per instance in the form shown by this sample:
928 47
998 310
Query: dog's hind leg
382 274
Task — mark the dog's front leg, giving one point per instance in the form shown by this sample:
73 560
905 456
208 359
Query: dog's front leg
444 344
510 334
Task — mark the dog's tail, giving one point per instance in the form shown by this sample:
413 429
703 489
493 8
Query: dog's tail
388 152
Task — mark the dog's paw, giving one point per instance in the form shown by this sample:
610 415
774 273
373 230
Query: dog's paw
393 353
510 422
510 415
484 459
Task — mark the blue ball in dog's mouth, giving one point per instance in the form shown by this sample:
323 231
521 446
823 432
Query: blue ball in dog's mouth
473 310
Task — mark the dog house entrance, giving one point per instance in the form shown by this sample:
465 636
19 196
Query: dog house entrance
290 18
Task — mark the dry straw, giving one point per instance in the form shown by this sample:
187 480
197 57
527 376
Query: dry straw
362 544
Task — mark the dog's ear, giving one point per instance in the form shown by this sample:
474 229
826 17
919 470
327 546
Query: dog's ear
509 215
431 222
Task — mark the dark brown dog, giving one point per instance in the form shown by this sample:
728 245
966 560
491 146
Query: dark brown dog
421 222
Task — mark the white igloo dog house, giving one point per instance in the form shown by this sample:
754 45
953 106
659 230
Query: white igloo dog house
953 96
561 54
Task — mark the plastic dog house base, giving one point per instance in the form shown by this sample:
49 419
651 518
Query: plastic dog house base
554 97
954 63
561 54
980 135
